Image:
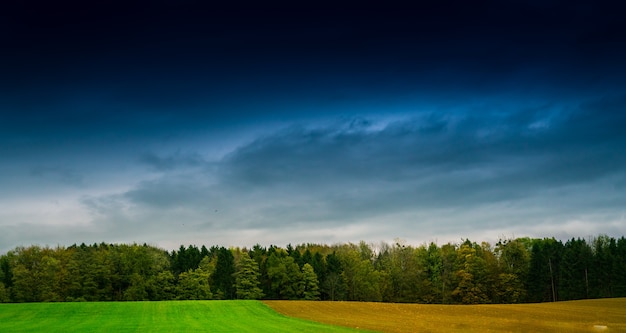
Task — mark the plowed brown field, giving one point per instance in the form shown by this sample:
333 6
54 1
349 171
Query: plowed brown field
600 315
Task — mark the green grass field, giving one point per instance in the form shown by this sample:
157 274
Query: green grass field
182 316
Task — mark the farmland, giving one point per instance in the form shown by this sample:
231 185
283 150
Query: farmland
170 316
607 315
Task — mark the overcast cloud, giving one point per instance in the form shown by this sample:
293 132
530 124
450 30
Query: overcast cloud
431 177
191 125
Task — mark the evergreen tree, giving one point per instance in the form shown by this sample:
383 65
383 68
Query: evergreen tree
4 293
295 254
247 278
187 258
163 286
605 249
332 284
574 270
306 258
6 276
310 283
207 264
204 252
193 285
433 266
317 261
224 276
543 275
619 268
260 255
285 276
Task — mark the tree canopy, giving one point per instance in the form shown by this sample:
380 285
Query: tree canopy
511 271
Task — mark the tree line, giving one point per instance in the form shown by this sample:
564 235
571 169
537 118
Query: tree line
511 271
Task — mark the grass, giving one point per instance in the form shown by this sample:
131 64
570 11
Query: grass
600 315
182 316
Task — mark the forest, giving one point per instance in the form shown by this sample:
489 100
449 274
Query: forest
511 271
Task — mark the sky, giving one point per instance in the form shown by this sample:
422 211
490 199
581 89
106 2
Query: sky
174 122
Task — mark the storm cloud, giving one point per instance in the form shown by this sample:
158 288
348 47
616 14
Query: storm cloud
184 124
428 177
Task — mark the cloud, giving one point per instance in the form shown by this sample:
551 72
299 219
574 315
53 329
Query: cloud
168 163
479 174
410 127
58 174
433 174
474 150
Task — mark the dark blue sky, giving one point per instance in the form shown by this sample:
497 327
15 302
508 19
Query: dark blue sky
178 122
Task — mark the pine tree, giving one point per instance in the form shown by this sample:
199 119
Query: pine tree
310 282
332 285
247 278
224 276
193 285
619 268
575 263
